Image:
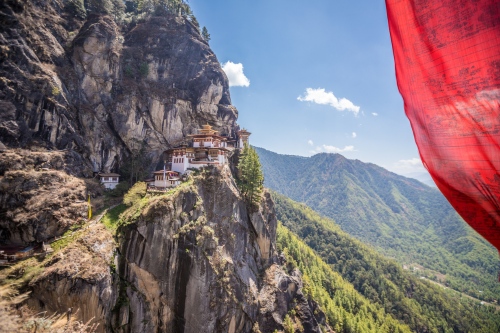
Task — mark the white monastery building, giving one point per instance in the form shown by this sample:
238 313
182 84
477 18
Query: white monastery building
206 148
109 180
165 179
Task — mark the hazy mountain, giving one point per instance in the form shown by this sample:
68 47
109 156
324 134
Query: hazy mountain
423 177
399 216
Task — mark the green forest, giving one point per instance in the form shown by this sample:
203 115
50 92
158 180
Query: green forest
400 217
345 308
422 305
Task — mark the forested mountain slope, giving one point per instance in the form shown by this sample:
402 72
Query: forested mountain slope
399 216
423 306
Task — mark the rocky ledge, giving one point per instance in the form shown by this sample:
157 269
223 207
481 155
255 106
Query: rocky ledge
193 260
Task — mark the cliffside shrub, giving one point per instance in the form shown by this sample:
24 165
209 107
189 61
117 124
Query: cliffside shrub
55 91
77 8
129 72
119 190
288 324
135 194
144 69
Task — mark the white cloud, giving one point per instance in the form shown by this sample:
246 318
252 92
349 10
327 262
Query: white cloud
354 135
408 166
374 114
235 74
310 142
320 96
332 149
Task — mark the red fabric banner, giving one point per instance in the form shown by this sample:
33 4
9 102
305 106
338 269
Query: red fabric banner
447 55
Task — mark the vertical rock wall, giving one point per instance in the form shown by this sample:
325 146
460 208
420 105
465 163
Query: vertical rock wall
197 261
103 88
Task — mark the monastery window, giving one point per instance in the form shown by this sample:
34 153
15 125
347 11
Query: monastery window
115 179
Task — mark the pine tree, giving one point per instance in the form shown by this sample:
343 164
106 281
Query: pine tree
99 6
205 34
195 22
251 178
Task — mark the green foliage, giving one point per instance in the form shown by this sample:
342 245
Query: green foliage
112 217
117 9
131 6
67 238
288 324
55 91
99 6
77 8
423 306
195 22
158 7
345 308
137 166
250 177
144 69
120 189
400 217
129 72
205 34
135 193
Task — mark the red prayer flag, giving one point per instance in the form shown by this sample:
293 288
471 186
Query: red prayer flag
447 56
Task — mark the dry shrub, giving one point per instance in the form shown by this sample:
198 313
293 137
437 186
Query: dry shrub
10 321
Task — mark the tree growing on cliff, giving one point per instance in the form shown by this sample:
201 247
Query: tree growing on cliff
194 21
205 34
77 8
136 167
251 178
98 6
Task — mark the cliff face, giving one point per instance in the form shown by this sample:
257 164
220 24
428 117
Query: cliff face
194 260
39 199
79 96
78 278
103 89
86 93
199 262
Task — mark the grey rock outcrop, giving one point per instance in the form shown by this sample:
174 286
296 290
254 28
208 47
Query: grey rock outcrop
189 261
196 263
38 199
103 89
79 278
83 95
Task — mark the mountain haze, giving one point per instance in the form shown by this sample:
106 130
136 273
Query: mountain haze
399 216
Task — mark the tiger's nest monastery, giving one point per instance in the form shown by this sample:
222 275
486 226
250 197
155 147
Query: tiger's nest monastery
206 148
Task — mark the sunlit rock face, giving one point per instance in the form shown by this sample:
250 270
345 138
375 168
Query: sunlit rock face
76 97
200 261
101 88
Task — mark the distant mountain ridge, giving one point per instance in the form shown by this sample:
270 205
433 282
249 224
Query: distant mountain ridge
399 216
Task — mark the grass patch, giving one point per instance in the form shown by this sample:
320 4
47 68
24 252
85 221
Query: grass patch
67 238
19 275
112 217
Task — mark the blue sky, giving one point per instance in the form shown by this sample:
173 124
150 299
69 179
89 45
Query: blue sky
321 77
